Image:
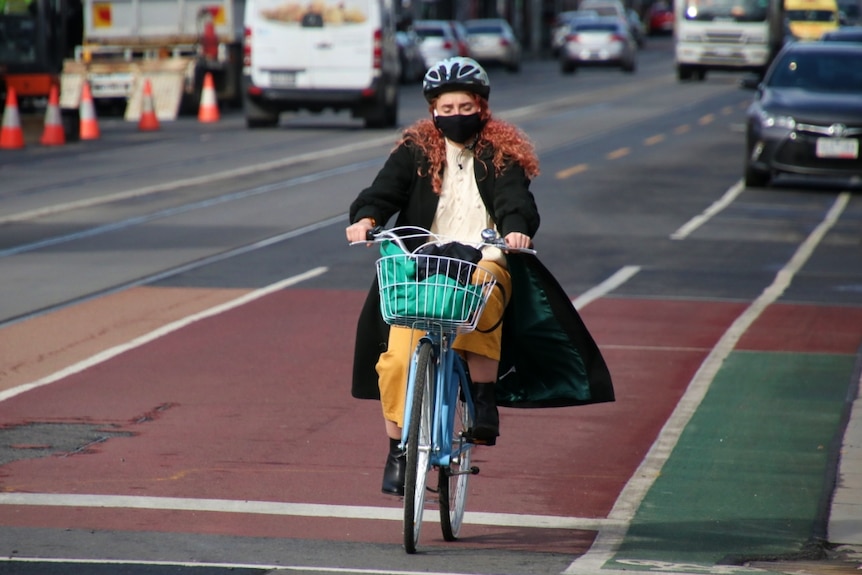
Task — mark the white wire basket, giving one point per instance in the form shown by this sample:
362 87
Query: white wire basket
421 291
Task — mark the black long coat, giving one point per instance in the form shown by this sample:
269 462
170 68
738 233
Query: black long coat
548 356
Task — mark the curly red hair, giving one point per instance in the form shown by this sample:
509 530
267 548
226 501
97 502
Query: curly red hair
508 143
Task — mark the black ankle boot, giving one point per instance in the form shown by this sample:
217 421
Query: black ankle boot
486 428
393 473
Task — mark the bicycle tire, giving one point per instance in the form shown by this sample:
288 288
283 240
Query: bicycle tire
453 480
418 446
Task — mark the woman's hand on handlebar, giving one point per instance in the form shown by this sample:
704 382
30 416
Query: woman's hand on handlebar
358 232
518 240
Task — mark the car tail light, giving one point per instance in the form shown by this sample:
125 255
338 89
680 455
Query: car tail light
617 38
447 45
246 47
378 49
572 38
504 42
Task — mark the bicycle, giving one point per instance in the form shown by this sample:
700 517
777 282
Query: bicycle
443 296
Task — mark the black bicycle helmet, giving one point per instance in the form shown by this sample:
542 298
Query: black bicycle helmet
454 75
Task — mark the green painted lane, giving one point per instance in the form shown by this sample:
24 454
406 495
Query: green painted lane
748 477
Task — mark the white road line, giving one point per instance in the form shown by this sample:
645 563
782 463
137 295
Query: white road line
261 566
610 284
185 208
287 509
162 331
608 540
697 221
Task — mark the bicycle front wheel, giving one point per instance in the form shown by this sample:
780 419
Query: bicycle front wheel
452 480
418 446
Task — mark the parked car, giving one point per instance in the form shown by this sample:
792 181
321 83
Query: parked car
844 34
562 25
660 19
492 41
438 40
609 8
599 42
410 54
806 116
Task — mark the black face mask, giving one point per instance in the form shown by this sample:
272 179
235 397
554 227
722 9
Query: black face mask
459 128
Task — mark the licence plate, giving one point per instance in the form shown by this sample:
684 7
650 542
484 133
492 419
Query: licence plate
845 148
282 79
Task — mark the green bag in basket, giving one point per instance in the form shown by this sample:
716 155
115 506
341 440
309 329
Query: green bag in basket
436 296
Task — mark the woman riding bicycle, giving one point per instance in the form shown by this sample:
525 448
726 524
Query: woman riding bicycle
457 173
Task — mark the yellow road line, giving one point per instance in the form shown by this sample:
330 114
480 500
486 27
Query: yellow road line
682 129
569 172
707 119
652 140
616 154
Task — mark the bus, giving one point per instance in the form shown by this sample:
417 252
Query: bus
809 19
729 35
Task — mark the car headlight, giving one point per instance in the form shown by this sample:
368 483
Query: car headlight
776 121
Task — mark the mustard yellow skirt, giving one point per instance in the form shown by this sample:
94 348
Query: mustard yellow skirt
393 365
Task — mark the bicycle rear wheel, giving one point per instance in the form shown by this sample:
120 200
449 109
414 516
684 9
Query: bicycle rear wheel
452 480
418 446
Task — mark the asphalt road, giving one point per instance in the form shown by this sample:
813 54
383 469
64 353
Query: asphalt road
177 320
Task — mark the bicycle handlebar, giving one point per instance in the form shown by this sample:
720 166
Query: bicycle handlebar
490 238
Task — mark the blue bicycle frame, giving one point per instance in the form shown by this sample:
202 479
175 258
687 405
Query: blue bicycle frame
450 378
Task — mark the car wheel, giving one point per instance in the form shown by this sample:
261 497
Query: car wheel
755 178
257 116
629 67
384 114
683 72
567 67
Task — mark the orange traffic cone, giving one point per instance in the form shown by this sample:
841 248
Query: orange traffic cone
208 111
87 110
53 134
148 121
11 135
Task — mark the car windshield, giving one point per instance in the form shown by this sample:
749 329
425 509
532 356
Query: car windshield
819 72
595 27
484 29
18 34
810 15
430 32
729 10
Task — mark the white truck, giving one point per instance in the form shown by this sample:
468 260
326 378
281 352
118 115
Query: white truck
173 43
730 35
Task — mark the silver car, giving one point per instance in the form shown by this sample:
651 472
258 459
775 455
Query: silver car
438 40
492 41
562 27
599 42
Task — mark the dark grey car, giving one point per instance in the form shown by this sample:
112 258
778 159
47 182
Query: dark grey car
806 116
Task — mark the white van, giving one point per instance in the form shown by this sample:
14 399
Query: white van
320 54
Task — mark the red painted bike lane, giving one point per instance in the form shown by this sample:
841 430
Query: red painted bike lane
253 405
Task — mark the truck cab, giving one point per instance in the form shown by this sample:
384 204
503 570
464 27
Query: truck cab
35 37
